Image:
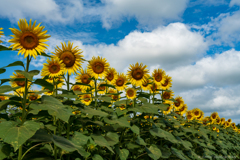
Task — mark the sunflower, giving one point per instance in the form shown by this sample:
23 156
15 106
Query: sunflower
214 116
167 95
2 98
120 82
233 124
53 68
1 33
214 128
122 106
227 124
111 75
98 67
131 93
159 76
179 102
86 99
222 120
83 77
71 57
58 80
49 93
137 74
19 83
33 96
217 130
145 85
183 109
167 83
101 89
229 120
153 88
189 115
114 97
78 88
196 112
170 107
218 121
29 39
201 116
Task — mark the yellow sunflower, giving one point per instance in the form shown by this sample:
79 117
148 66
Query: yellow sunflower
53 68
153 88
78 88
214 116
58 80
98 67
167 83
83 77
33 96
71 57
222 120
131 93
218 120
1 33
233 124
2 98
114 97
227 124
183 109
122 106
101 89
29 39
159 76
137 74
200 117
189 115
214 128
111 75
86 99
170 107
229 120
49 93
19 83
145 85
120 82
179 103
196 112
167 95
217 130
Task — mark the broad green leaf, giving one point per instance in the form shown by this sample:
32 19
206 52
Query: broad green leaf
69 146
166 153
68 96
7 88
4 104
101 141
154 152
108 85
112 138
91 111
16 136
41 135
43 54
16 63
5 150
97 157
132 146
123 153
3 48
53 106
135 129
140 141
178 153
29 75
2 70
143 100
44 84
163 134
118 103
123 122
105 98
80 139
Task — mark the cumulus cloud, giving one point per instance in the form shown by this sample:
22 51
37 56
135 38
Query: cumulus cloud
234 2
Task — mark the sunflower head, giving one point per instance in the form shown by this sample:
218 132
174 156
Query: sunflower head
229 120
98 67
214 116
53 68
71 57
218 120
1 33
33 96
179 102
167 83
131 93
159 76
167 95
2 98
233 124
111 75
120 82
222 120
189 115
214 128
137 74
102 89
86 99
196 112
29 39
146 85
85 77
112 91
20 82
153 88
183 109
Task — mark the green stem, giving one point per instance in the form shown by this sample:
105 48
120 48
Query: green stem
32 148
55 147
95 93
24 114
153 94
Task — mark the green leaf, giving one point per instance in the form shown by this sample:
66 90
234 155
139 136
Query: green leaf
5 150
41 136
101 141
80 139
7 88
163 134
43 54
16 136
91 111
29 75
123 122
2 70
135 129
166 153
4 104
108 85
140 141
178 153
16 63
3 48
97 157
112 138
68 96
118 103
44 84
123 153
53 106
105 98
154 152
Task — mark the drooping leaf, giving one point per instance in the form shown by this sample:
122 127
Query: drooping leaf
7 88
2 70
97 157
135 129
29 75
16 63
44 84
123 153
101 141
16 136
91 111
154 152
3 48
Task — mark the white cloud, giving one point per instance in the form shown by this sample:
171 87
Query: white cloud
234 2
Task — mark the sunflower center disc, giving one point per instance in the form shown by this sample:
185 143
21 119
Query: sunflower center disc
158 78
115 97
98 68
85 80
177 104
2 98
77 89
88 98
102 88
165 84
33 98
119 82
110 76
137 74
20 83
29 40
68 58
166 96
54 68
130 93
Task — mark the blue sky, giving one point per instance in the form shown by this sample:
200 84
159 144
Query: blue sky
197 43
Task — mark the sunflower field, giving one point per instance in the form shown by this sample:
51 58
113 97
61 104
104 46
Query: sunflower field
90 119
